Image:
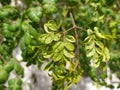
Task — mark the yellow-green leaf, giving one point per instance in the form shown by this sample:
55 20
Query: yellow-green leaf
69 46
57 37
70 38
49 38
57 56
91 53
68 54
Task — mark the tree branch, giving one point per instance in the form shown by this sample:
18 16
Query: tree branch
77 40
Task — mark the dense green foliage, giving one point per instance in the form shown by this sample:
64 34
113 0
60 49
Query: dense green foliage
74 37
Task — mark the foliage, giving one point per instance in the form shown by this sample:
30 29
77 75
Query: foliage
74 37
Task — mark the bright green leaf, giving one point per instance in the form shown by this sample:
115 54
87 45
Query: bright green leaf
68 54
70 38
69 46
91 53
57 56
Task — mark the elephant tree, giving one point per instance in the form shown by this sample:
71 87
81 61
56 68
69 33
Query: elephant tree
74 37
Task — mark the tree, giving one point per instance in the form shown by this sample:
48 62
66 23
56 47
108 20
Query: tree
74 37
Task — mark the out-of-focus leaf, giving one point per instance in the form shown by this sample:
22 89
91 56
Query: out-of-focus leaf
19 69
3 75
47 55
9 66
15 84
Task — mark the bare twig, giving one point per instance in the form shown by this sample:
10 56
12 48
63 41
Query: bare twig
77 40
2 58
82 29
68 30
73 21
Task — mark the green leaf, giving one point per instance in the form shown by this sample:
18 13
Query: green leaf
15 84
49 38
35 14
42 38
56 45
91 53
89 32
70 38
9 66
98 34
15 87
49 65
112 24
95 63
50 26
27 38
3 76
46 28
57 56
16 81
88 39
50 8
90 46
46 55
106 54
99 44
57 37
69 46
68 54
98 50
59 46
19 69
33 31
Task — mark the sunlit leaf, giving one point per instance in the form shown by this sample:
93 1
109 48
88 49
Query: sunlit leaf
49 65
90 46
49 38
91 53
57 56
70 38
98 34
57 37
99 44
89 32
47 55
58 46
42 38
68 54
69 46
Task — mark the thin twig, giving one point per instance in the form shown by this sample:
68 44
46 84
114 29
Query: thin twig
73 21
77 40
82 29
68 30
2 58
